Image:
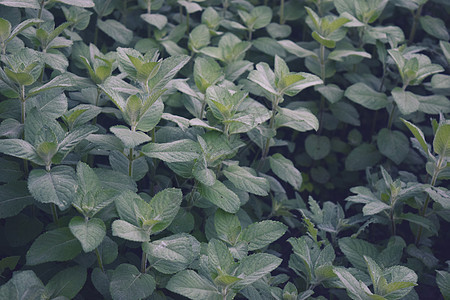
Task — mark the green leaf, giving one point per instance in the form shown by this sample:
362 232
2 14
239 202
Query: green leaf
246 181
130 139
221 196
177 151
356 249
441 142
393 144
264 77
90 232
54 245
295 49
198 38
66 283
434 104
366 96
5 30
284 168
79 3
263 233
228 226
300 119
407 102
22 285
277 31
172 254
435 27
129 231
202 173
261 17
116 30
295 83
440 195
323 41
418 134
443 282
419 220
165 205
191 7
254 267
363 156
21 3
355 289
206 73
127 283
157 20
193 286
169 68
22 26
13 198
331 92
220 260
57 186
317 146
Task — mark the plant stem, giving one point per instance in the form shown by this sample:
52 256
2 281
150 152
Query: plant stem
414 25
271 124
130 162
99 260
322 76
391 117
54 214
144 262
282 12
438 168
40 13
96 33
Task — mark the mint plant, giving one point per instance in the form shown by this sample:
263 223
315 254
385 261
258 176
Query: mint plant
224 149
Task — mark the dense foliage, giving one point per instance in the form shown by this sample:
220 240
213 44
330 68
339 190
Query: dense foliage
224 149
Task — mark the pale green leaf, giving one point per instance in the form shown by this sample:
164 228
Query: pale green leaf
90 232
221 196
364 95
130 139
57 186
193 286
284 168
246 181
177 151
116 30
129 231
172 254
263 233
441 142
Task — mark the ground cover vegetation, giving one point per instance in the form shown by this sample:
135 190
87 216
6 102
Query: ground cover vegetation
224 149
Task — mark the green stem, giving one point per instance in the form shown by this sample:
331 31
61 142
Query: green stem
225 7
203 108
54 214
40 12
250 34
99 260
414 25
144 262
271 124
96 33
130 162
322 76
191 197
282 12
391 117
187 22
422 213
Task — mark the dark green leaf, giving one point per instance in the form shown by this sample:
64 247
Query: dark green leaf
127 283
55 245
